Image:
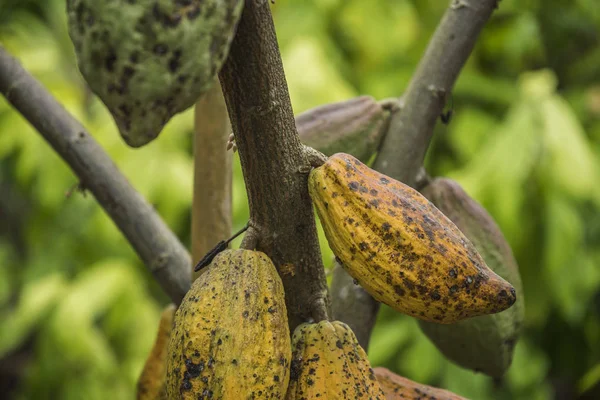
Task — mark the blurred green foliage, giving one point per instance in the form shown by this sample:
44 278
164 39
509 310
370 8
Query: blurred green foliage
79 312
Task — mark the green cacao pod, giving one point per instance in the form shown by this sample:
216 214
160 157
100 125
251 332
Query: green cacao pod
400 248
151 384
354 126
148 60
484 343
398 387
231 338
328 363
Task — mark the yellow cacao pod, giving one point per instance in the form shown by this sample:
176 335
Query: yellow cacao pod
151 384
328 363
484 343
231 338
400 248
398 387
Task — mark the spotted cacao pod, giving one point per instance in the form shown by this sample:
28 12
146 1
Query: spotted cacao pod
148 60
231 338
328 363
400 248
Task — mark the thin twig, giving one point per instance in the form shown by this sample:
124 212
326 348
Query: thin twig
403 149
154 242
273 159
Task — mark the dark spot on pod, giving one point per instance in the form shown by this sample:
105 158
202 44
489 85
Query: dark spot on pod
386 226
271 310
193 13
160 49
363 246
125 110
234 362
353 186
133 57
185 386
245 314
207 394
436 296
310 382
452 273
339 344
399 291
109 61
385 181
128 72
295 369
193 370
453 289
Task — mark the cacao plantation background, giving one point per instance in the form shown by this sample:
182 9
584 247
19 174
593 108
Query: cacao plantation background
79 312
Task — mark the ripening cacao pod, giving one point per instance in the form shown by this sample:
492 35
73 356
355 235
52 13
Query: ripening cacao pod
148 60
231 338
400 248
398 387
328 363
484 343
151 384
354 126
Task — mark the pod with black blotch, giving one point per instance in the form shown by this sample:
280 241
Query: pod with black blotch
328 363
231 338
400 248
486 343
148 60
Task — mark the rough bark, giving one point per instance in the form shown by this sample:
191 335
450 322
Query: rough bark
274 165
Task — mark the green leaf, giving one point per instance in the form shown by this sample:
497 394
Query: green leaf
35 302
571 276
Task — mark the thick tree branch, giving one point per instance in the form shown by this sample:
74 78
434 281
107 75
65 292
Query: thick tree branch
156 245
404 146
274 164
211 206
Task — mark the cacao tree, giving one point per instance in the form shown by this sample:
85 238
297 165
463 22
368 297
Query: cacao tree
391 244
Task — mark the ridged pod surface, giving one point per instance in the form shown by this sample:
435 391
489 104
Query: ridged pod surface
148 60
355 126
398 387
484 343
400 248
151 384
231 338
328 363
